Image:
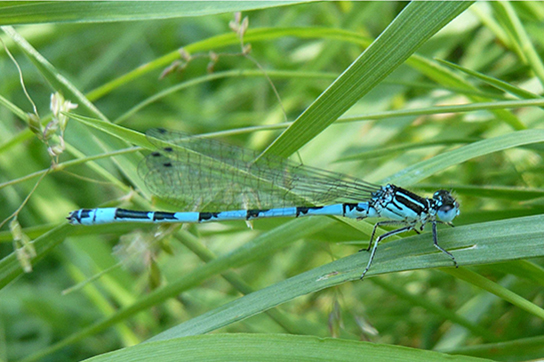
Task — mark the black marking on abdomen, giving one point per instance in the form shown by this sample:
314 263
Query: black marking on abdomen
155 154
84 214
130 214
167 164
168 149
161 215
254 213
79 214
347 206
204 216
304 209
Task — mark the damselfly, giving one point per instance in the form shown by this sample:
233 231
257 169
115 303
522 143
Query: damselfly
225 182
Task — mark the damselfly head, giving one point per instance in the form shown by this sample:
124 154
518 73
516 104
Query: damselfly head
447 206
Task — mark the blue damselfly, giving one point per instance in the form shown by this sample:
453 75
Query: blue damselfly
224 182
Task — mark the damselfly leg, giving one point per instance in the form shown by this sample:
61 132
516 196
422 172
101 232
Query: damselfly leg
435 241
380 238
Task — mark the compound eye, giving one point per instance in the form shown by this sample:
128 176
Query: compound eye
447 212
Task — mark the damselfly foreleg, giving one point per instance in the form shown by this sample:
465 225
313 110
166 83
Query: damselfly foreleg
435 241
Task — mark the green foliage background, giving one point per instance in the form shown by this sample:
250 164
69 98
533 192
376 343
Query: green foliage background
459 109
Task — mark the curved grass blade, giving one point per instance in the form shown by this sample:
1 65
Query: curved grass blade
497 83
447 314
491 191
523 349
495 288
59 82
424 169
445 76
386 151
520 40
10 268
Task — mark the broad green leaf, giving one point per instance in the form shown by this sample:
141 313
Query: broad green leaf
483 243
100 11
273 347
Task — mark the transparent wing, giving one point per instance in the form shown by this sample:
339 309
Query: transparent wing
208 175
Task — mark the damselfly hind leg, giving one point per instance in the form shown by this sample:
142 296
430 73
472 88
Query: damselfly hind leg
380 238
381 223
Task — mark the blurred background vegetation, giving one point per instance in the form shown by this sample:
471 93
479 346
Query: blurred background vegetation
97 271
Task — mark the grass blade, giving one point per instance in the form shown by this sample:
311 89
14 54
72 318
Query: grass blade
474 244
421 170
101 11
261 347
400 40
